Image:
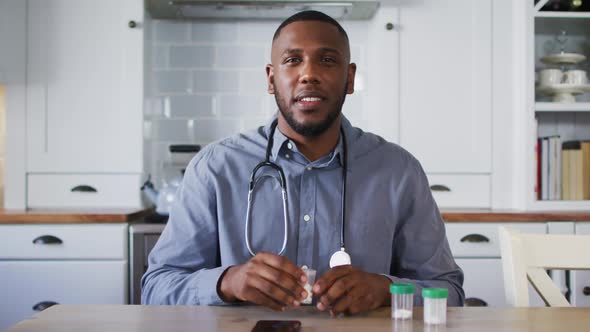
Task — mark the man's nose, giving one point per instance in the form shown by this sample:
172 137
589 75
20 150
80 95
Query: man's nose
309 74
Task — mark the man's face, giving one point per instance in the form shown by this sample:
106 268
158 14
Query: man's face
310 75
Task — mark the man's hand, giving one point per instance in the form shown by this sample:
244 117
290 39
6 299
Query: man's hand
266 279
349 290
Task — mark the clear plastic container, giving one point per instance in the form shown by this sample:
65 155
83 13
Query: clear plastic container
435 305
402 301
311 273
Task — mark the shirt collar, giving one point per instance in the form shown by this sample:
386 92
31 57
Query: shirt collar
279 140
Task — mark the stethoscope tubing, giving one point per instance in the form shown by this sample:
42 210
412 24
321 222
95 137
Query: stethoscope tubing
283 183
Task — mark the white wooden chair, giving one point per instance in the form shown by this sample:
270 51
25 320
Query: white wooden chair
528 256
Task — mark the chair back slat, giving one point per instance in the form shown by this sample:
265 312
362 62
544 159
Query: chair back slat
526 257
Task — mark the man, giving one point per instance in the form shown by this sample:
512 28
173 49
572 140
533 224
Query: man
392 228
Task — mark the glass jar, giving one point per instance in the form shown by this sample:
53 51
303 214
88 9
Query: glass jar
402 301
435 305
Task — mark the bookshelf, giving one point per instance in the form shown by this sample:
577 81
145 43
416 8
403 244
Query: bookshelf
570 121
562 107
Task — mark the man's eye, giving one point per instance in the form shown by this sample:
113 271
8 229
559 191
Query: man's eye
292 60
328 59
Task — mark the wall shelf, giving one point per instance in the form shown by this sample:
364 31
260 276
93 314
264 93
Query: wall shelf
562 107
560 206
563 14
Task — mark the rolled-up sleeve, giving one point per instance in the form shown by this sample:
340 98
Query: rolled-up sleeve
184 266
421 253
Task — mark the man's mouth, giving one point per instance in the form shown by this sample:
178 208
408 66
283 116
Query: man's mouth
307 101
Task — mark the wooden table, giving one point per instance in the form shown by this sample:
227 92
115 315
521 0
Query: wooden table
90 318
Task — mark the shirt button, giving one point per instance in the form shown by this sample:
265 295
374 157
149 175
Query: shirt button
309 168
306 217
287 156
290 146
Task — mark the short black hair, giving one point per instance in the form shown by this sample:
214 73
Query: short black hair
310 15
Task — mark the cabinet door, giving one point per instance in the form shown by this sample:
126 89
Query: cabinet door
445 88
484 284
580 280
26 285
85 86
12 40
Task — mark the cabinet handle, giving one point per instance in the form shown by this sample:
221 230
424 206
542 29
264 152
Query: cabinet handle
439 187
43 305
84 189
475 238
132 24
47 239
475 302
586 291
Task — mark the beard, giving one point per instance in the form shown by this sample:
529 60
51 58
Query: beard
310 130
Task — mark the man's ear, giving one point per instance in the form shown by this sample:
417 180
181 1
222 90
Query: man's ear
350 78
270 79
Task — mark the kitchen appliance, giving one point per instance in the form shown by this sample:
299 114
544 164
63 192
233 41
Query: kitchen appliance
142 239
172 171
264 9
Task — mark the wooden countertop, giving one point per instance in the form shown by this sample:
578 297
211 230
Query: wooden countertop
116 318
483 215
71 216
127 215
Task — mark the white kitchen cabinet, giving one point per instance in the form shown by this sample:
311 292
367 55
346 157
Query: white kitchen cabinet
431 92
543 114
476 249
12 41
83 190
28 286
85 86
66 264
461 190
445 84
580 280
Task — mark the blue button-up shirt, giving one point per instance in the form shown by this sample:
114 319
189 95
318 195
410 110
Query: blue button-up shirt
393 226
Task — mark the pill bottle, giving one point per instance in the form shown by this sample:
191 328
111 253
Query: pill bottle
435 305
402 301
310 273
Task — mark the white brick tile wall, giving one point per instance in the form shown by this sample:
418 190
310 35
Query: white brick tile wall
177 81
181 130
207 81
253 81
213 129
240 106
160 57
216 81
214 32
191 56
257 32
170 31
189 107
236 56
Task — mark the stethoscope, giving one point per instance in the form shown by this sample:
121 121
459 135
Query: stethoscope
339 257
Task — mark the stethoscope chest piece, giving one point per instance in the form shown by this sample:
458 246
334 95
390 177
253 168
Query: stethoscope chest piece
339 258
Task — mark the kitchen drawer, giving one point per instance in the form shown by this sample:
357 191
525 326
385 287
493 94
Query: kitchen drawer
24 284
83 190
484 283
580 280
580 288
105 241
582 228
482 239
461 190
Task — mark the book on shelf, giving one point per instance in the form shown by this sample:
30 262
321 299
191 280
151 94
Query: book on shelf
549 171
576 170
